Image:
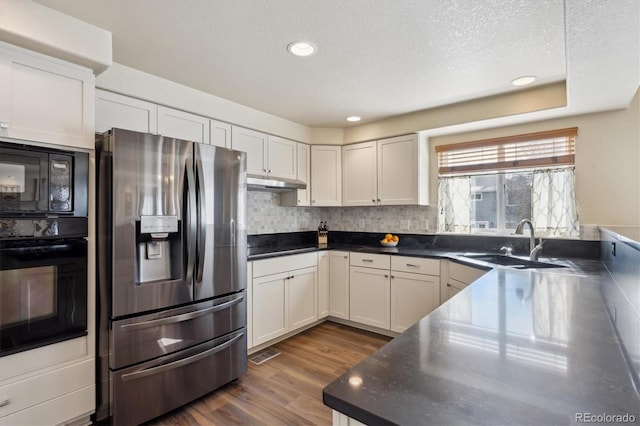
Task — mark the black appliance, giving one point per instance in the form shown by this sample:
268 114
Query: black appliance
43 247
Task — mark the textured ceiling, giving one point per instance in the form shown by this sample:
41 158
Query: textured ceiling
376 58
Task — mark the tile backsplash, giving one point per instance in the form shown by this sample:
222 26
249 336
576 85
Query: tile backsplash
266 216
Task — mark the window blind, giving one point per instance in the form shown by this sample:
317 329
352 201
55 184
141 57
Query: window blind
533 150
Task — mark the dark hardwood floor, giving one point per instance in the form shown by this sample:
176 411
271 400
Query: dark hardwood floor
287 389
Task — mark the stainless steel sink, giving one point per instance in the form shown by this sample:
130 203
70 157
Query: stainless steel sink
510 261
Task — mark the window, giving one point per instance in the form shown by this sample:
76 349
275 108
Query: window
490 185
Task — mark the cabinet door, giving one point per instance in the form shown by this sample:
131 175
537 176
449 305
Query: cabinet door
359 176
369 297
282 157
412 297
270 318
220 134
304 170
249 305
255 145
182 125
46 100
398 170
323 284
326 175
123 112
302 288
339 284
454 287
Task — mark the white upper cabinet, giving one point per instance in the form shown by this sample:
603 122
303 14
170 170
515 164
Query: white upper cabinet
326 175
359 174
300 197
46 100
124 112
255 145
220 133
403 171
282 157
178 124
267 155
391 171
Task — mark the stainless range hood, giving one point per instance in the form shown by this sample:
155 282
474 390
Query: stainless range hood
272 184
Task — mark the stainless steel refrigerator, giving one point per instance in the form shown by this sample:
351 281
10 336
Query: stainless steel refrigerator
171 311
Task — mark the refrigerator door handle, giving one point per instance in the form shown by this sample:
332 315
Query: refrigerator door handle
191 224
202 223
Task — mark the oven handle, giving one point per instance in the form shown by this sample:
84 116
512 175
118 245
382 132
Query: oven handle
181 363
53 246
182 317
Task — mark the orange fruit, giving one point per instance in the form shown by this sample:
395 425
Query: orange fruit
395 238
388 237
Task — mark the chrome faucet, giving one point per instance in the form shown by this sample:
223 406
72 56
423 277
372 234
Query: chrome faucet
534 250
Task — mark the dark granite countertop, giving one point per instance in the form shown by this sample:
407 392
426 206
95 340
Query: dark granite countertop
515 347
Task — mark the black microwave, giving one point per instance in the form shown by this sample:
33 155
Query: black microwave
38 181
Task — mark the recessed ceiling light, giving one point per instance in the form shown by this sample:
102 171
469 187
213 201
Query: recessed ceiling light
354 118
523 81
301 48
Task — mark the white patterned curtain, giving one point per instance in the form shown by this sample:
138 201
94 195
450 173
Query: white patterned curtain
553 202
454 204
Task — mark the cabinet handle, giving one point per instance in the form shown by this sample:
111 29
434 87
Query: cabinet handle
393 276
412 265
373 201
386 276
346 257
4 125
378 199
367 260
448 285
5 402
292 277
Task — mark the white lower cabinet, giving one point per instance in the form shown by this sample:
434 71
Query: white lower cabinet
249 305
369 291
456 277
323 284
269 313
302 289
412 297
415 290
284 295
339 284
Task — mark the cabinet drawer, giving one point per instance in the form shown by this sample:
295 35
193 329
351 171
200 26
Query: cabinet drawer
379 261
38 389
463 273
68 408
415 265
277 265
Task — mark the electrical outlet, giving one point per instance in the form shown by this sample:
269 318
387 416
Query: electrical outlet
361 223
405 224
424 224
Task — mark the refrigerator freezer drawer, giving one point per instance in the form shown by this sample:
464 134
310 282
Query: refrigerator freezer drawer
146 391
146 337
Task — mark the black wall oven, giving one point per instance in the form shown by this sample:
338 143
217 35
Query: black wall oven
43 246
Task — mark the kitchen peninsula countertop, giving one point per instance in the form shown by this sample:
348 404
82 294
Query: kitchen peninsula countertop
515 347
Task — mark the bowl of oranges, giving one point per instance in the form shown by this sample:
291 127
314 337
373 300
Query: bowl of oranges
390 240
